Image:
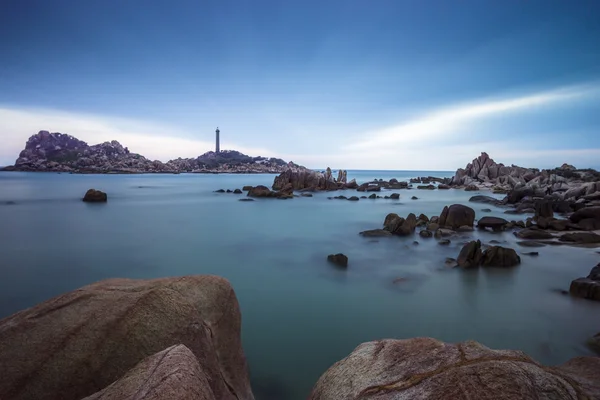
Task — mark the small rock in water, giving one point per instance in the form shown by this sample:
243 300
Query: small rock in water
338 259
444 242
486 210
531 253
353 198
529 243
414 198
246 199
228 190
363 197
425 233
237 191
9 203
95 196
306 195
220 191
247 187
415 243
373 196
451 262
376 233
395 196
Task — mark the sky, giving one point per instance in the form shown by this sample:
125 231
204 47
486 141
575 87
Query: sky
385 84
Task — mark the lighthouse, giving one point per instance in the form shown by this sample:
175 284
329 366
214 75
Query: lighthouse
217 147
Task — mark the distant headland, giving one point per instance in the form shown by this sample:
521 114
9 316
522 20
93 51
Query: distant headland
58 152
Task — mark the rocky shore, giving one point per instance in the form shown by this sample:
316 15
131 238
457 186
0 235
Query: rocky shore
57 152
180 338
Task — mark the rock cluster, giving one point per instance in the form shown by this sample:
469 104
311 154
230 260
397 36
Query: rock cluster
59 152
309 180
471 256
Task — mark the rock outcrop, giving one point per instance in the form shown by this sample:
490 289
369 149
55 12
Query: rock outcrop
425 368
309 180
494 223
498 256
59 152
400 226
95 196
589 287
457 215
77 344
470 255
173 373
263 191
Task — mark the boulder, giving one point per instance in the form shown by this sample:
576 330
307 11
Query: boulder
470 255
558 224
423 217
533 234
589 224
372 196
442 232
444 242
351 185
216 191
237 191
394 196
457 215
425 368
471 188
414 198
443 186
425 233
339 259
246 199
173 373
498 256
580 237
306 195
376 233
589 287
78 343
400 226
432 226
353 198
531 253
543 208
95 196
247 187
426 187
585 213
485 199
494 223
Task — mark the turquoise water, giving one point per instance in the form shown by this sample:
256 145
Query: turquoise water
300 315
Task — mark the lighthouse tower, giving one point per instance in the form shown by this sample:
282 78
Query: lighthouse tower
218 147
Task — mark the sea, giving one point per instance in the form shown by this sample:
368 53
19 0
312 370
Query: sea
299 314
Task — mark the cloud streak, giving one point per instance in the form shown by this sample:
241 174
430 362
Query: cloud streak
450 120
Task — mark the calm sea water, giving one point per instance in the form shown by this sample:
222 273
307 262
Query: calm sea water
300 315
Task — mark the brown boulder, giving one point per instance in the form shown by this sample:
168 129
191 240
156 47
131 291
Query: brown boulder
400 226
533 234
543 208
457 215
173 373
588 288
425 368
470 255
339 259
495 223
376 233
584 213
589 224
580 237
498 256
78 343
95 196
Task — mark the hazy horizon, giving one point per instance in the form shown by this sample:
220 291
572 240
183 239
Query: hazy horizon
402 86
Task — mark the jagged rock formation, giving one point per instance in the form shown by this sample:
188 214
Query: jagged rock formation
309 180
425 368
76 344
59 152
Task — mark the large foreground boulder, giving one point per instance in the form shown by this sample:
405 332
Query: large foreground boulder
78 343
588 288
400 226
425 368
456 216
173 373
470 255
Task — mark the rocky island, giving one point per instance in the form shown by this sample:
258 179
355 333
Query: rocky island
58 152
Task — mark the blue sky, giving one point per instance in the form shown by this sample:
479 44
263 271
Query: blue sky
351 84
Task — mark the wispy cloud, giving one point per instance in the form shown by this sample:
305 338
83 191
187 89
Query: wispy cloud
152 140
449 120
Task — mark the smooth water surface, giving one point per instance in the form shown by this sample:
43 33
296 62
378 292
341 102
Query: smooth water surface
300 314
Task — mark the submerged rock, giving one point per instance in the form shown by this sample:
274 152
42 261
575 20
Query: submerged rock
339 259
80 342
376 233
95 196
425 368
533 234
580 237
